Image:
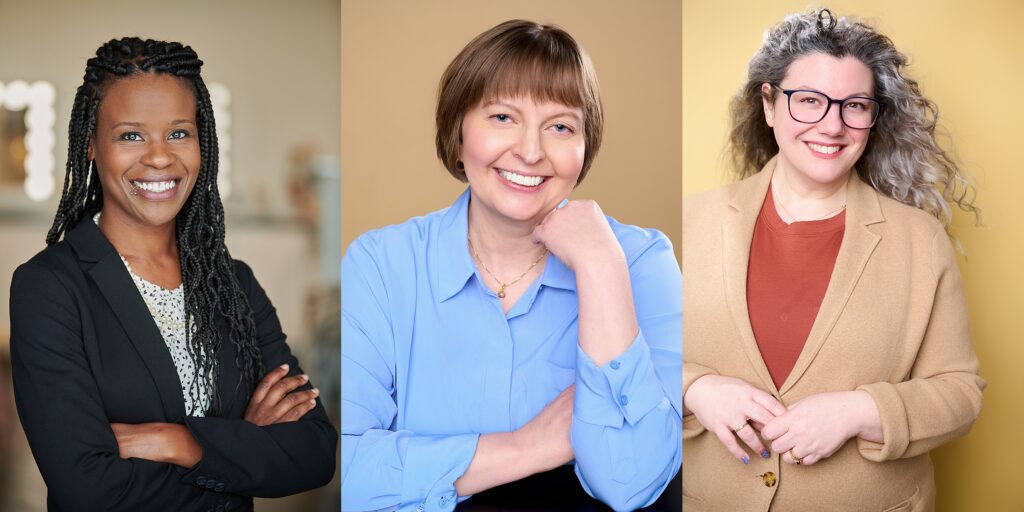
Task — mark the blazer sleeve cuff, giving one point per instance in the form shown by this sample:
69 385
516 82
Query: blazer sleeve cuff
623 390
895 425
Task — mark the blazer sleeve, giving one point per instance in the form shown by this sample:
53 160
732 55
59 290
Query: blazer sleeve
63 416
627 414
383 468
942 397
274 460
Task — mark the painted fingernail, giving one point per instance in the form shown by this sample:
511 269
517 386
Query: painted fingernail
312 402
745 460
304 377
283 366
316 392
766 454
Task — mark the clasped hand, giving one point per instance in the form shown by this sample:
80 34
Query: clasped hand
808 431
275 400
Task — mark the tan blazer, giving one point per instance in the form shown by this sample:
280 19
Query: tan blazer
893 322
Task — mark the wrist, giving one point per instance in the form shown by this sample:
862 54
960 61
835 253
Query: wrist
865 411
183 450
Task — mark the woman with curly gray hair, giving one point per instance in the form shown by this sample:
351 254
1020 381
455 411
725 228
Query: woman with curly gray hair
828 348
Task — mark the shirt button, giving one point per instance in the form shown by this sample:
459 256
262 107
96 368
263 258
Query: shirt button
623 400
769 479
615 365
201 480
219 488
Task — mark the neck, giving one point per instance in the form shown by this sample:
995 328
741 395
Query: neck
505 245
133 240
803 199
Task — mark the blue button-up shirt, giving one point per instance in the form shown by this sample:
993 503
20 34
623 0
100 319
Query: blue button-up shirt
430 361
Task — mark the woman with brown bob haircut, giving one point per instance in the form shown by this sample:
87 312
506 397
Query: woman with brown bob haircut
515 331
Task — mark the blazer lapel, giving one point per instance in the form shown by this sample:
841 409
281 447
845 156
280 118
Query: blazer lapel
737 234
862 210
117 287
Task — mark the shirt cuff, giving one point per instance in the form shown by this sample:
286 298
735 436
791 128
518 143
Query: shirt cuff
432 465
624 389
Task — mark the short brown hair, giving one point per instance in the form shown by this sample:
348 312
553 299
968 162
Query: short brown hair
518 58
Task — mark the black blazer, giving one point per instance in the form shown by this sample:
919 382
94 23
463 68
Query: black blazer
86 352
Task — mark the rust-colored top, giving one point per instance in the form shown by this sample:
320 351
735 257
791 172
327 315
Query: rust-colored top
790 266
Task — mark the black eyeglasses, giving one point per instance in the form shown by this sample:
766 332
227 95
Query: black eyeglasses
857 112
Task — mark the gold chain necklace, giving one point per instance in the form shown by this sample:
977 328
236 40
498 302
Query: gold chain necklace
775 195
501 292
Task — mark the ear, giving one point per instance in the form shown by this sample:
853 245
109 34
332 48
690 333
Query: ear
769 105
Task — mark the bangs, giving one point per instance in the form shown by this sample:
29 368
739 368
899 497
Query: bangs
544 74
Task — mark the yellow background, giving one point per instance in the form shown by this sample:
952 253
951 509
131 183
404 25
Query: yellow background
392 57
968 58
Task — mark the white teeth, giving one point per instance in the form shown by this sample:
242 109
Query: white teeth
828 150
519 179
155 186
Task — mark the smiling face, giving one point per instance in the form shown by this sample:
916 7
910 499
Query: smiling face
146 148
824 152
521 158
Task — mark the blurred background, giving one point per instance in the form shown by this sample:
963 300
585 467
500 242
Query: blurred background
968 60
393 54
276 70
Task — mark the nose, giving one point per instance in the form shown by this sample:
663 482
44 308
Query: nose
832 123
528 148
158 155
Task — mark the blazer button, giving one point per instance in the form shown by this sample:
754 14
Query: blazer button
210 484
201 480
219 488
769 479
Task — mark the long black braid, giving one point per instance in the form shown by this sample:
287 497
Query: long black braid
207 271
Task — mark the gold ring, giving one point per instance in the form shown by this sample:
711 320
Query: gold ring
737 429
796 459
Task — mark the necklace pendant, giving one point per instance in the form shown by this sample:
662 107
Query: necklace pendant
501 293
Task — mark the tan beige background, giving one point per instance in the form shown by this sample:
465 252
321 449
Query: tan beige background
393 54
967 57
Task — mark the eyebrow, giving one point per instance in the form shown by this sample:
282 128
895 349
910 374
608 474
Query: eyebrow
860 94
135 124
569 113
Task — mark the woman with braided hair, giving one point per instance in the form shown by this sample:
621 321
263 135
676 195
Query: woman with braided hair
150 370
828 349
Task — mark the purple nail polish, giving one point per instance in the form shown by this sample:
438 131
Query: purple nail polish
745 460
766 454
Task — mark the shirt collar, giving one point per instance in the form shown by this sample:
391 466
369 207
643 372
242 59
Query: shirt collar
557 275
454 263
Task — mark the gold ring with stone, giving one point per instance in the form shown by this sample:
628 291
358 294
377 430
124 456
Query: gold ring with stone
796 459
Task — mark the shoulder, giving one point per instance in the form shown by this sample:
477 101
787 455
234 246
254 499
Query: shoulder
405 240
908 220
709 205
636 241
55 263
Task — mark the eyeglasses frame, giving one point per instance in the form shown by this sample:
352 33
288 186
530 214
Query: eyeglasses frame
789 98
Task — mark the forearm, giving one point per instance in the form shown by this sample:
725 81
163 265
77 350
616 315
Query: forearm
499 459
607 317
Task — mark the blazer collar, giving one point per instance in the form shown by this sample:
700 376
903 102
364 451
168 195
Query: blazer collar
103 264
862 210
